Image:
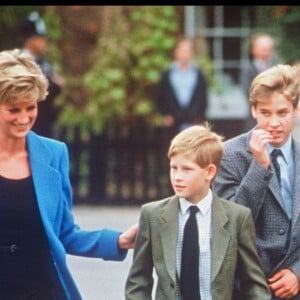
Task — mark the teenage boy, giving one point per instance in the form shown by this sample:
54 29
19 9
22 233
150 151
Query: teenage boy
248 176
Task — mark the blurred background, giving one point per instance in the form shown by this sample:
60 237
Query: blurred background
111 57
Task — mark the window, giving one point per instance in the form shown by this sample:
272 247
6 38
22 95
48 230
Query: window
225 31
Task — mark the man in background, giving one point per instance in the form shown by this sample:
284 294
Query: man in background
262 47
33 39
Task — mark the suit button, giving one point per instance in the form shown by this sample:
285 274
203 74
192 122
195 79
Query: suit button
13 249
281 232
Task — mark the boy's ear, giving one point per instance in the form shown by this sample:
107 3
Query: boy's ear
211 170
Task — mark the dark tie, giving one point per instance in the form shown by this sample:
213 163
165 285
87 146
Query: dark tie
274 154
189 277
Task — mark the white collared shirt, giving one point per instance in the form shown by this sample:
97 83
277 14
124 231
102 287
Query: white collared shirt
204 230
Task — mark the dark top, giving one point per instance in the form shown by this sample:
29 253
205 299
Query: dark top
167 103
24 250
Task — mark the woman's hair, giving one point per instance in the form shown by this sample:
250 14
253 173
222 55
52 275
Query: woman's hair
282 79
21 78
198 143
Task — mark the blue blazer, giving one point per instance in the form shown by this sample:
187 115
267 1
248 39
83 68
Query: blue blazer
49 163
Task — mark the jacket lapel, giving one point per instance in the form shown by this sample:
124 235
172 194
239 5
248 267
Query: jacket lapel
296 185
275 189
169 232
220 235
45 178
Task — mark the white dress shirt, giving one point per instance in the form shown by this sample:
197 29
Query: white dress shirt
204 229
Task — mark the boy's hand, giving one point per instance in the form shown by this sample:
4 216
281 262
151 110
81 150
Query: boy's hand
127 238
284 284
258 141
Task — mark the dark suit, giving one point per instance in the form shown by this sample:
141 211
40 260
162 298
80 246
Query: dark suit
232 244
167 102
243 180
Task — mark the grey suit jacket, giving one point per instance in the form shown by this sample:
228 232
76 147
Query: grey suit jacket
241 179
233 243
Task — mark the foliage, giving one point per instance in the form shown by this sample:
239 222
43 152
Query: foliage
127 62
54 34
285 21
10 18
11 15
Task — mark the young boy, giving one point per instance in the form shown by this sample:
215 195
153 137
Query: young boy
225 230
249 175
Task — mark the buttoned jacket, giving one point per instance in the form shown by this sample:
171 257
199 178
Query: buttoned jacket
232 243
243 180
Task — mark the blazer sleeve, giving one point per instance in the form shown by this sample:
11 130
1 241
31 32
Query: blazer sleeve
96 243
250 271
139 283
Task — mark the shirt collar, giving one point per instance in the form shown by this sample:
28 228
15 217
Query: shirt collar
286 149
204 204
175 67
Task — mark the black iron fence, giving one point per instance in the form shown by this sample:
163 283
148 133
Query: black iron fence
126 164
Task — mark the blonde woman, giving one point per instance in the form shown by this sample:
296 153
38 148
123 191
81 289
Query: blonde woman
36 222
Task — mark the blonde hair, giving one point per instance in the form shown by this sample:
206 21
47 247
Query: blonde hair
198 143
282 79
21 78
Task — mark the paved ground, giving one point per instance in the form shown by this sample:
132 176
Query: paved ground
98 279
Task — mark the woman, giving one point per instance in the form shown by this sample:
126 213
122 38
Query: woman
36 222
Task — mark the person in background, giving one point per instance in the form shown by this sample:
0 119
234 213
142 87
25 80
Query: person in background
33 40
37 226
226 231
181 93
250 174
262 48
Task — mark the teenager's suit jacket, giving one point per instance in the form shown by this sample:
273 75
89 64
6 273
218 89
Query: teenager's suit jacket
232 243
49 163
248 72
241 179
167 102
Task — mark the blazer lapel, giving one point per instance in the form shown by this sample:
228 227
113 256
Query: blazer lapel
275 189
169 232
296 185
45 178
220 236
